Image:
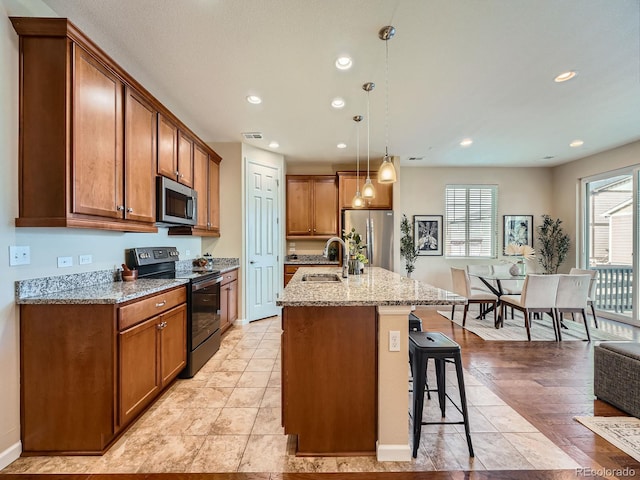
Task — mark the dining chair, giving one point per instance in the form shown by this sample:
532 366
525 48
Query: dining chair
573 291
592 289
462 287
538 296
475 272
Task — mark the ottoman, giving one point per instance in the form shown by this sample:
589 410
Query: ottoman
617 375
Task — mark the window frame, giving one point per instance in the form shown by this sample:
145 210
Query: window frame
448 221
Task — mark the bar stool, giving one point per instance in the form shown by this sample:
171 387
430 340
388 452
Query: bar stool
422 347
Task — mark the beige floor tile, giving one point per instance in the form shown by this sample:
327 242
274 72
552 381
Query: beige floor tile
234 421
264 453
310 464
481 395
266 352
223 379
506 419
210 397
540 452
477 422
165 419
269 345
268 422
220 453
246 397
260 364
495 452
241 352
272 336
272 398
172 454
275 380
200 420
234 365
437 449
253 379
128 454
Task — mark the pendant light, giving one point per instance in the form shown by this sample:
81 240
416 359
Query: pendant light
368 190
386 172
357 201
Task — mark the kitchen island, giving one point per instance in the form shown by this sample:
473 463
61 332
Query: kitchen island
344 382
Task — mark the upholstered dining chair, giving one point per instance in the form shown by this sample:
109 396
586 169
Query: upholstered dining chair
538 296
573 291
462 287
592 289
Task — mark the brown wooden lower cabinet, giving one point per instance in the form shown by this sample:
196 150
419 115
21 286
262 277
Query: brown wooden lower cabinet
88 370
228 299
329 379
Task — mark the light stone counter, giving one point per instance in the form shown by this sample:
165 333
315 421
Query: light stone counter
375 287
113 292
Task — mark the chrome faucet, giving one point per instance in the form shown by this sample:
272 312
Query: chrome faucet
345 254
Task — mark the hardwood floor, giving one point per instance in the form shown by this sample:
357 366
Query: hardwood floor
548 383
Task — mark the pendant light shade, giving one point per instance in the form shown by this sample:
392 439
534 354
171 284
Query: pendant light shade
368 190
386 172
357 201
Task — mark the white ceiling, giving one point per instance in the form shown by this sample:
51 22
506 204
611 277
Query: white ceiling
457 68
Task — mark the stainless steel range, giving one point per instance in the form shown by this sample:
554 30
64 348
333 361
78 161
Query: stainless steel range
203 300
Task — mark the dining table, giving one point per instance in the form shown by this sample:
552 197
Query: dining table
494 283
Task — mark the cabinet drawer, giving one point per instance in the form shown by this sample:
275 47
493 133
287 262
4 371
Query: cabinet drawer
136 312
291 269
228 277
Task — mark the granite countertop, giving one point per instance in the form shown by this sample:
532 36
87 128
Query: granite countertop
375 287
309 260
114 292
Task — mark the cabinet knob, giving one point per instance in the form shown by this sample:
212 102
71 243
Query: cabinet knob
309 230
161 304
177 173
161 325
120 208
129 209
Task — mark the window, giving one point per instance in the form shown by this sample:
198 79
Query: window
471 221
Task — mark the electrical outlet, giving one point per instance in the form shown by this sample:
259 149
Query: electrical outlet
85 259
394 340
19 255
65 262
187 252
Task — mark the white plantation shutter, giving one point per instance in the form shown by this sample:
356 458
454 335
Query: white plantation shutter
471 221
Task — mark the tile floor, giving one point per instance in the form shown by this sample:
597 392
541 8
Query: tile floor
227 419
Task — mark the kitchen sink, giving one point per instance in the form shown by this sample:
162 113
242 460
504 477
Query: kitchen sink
321 277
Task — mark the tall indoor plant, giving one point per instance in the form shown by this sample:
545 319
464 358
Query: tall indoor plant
553 244
408 249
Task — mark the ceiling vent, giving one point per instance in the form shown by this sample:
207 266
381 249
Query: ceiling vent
415 159
252 135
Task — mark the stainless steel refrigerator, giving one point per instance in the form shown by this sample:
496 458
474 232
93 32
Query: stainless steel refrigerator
376 229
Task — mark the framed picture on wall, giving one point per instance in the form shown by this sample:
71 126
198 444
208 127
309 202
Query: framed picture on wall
427 234
518 230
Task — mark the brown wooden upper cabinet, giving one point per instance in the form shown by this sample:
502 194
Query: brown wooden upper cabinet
312 206
206 174
347 183
91 137
175 152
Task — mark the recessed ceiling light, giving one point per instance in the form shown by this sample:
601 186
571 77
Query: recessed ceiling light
274 145
337 102
341 145
344 63
254 99
564 76
466 142
576 143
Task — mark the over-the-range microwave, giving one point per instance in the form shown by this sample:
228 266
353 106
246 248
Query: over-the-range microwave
177 204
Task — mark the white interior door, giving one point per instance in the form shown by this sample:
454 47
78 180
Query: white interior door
263 241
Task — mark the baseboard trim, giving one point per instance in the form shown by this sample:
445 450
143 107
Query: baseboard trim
10 455
393 453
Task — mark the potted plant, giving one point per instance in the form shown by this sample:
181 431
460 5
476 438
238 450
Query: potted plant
357 259
408 249
553 244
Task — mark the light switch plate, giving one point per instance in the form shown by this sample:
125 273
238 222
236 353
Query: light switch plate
394 340
19 255
85 259
65 262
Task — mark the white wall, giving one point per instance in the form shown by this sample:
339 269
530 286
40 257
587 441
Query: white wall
521 191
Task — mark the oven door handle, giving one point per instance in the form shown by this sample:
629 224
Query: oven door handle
199 286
